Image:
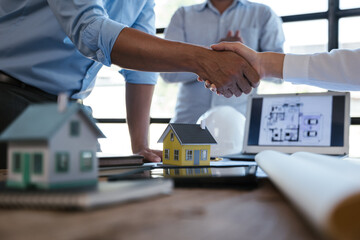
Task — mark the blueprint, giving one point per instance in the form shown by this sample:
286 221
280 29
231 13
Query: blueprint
296 120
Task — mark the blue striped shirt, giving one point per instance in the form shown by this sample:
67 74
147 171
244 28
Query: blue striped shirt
59 46
202 24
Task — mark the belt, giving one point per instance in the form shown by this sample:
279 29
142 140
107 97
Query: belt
4 78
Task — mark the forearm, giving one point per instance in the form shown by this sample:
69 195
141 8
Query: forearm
136 50
271 64
230 73
138 102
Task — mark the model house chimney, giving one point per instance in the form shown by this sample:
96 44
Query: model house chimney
62 102
202 124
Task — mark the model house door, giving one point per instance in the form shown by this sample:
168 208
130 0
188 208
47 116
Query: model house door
26 168
196 157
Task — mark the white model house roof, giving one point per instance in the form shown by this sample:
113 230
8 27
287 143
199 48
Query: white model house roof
189 134
41 121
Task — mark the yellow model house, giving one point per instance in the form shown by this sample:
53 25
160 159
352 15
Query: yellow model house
186 145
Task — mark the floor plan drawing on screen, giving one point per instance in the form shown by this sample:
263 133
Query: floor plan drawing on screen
297 121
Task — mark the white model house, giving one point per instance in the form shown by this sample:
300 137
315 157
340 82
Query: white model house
50 148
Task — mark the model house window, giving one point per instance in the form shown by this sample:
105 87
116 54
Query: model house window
62 162
172 137
176 155
190 171
189 155
167 153
203 154
16 162
86 161
74 128
37 163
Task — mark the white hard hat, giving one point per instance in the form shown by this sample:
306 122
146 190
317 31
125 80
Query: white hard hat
227 126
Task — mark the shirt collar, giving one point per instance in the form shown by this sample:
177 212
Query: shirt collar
203 5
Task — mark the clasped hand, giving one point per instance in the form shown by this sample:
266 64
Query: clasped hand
240 74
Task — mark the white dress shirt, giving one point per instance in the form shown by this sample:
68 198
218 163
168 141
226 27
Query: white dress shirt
202 24
338 70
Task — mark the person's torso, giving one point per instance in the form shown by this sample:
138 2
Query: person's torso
35 49
207 27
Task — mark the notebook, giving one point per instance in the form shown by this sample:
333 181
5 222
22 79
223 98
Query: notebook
312 122
115 160
105 193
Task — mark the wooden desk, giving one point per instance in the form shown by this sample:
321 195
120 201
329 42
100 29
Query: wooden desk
262 213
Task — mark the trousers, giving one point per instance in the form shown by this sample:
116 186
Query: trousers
15 97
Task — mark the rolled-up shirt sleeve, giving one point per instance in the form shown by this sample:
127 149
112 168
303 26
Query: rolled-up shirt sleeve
145 23
89 27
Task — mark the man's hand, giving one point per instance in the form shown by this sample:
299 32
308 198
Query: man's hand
150 155
230 37
229 73
138 102
267 64
250 55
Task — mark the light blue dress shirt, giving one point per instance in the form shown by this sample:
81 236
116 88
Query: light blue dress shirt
60 45
202 24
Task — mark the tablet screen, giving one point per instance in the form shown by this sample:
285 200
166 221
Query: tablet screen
297 120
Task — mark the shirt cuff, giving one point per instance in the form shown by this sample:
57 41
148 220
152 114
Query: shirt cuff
110 30
137 77
296 68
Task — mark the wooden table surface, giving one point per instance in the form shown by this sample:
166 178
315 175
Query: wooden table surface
262 213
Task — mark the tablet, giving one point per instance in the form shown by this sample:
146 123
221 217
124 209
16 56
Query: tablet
313 122
242 176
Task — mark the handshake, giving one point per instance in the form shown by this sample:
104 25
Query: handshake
235 69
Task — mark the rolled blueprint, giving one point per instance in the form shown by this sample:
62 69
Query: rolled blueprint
325 189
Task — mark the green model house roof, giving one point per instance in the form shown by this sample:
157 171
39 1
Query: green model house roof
189 134
41 121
